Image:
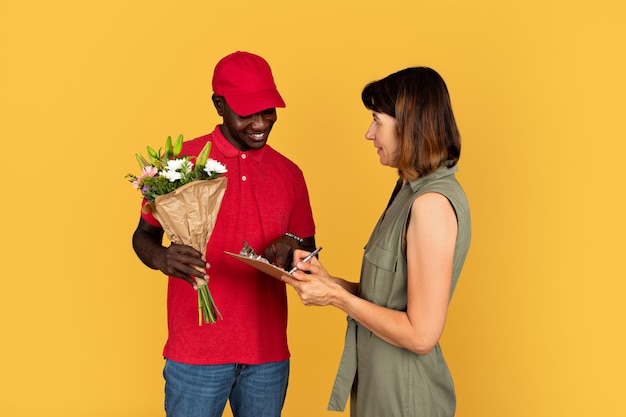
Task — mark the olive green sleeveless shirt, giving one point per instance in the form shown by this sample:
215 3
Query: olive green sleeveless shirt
385 380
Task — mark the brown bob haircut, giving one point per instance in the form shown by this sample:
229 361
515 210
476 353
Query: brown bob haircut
419 101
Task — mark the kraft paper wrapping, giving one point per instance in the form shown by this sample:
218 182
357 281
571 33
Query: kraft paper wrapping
188 214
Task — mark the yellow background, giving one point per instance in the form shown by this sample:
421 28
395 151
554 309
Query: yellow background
536 328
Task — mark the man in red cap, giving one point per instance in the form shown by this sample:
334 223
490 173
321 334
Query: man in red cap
243 357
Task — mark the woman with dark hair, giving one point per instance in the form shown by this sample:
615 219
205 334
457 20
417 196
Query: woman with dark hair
392 363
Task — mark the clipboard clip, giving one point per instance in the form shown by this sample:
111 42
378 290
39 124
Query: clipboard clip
248 252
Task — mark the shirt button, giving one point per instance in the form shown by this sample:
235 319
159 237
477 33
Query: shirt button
243 156
243 178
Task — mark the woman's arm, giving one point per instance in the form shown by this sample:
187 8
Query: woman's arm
431 237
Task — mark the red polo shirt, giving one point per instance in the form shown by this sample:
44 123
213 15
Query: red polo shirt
266 197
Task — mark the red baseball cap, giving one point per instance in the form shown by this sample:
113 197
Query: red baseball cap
245 80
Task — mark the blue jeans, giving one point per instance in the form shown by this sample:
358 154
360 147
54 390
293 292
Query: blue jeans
202 390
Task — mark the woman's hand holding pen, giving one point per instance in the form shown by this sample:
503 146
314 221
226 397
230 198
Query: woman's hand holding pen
311 281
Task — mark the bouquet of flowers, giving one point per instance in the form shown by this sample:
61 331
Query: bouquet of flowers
184 194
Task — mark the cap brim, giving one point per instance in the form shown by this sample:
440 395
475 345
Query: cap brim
247 104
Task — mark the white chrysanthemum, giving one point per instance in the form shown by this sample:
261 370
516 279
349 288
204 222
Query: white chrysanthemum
175 164
171 175
213 166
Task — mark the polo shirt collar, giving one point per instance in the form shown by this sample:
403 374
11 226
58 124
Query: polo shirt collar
230 151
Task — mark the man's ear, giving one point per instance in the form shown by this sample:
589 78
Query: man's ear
218 102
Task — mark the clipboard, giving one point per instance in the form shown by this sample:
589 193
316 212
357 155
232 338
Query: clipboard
269 269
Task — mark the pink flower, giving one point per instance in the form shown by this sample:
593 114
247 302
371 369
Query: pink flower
147 171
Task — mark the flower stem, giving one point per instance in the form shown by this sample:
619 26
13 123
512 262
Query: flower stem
207 310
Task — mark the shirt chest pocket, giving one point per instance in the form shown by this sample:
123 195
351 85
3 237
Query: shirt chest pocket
377 279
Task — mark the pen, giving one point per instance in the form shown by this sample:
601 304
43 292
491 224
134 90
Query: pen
307 258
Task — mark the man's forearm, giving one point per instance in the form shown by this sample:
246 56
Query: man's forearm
149 249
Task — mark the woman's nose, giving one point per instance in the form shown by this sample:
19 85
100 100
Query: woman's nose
369 134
